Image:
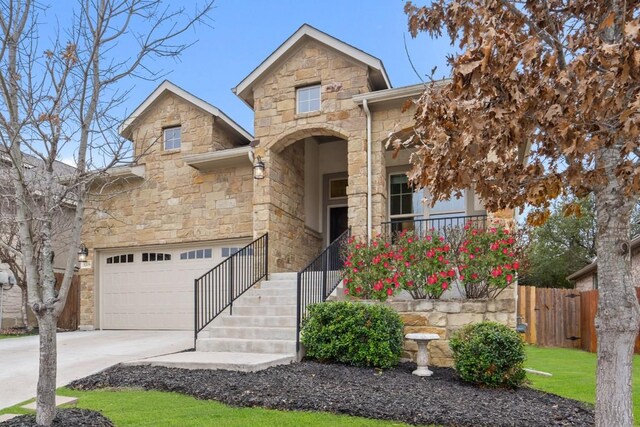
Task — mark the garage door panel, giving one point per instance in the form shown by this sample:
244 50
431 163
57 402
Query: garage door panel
151 294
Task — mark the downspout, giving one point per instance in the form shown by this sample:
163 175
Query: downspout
365 106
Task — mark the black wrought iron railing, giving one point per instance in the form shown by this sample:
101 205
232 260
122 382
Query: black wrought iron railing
319 279
219 287
441 225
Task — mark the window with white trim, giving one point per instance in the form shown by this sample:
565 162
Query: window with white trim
308 99
155 256
197 254
120 259
172 138
403 201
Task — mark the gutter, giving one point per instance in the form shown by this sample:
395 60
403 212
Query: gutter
365 106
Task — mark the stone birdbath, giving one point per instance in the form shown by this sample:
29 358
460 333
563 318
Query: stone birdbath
423 357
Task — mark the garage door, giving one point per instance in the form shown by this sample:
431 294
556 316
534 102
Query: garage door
152 288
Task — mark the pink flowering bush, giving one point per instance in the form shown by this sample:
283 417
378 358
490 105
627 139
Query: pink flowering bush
482 262
423 265
487 262
368 270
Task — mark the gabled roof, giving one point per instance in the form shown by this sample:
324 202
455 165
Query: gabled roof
378 74
167 86
590 268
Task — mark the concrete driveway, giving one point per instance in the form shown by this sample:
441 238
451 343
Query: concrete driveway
79 354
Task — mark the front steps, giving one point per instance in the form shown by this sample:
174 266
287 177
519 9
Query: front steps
263 321
261 332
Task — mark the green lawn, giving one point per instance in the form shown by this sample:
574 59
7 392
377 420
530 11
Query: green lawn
154 408
574 374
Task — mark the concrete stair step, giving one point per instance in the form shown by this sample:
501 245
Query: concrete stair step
271 292
254 321
279 284
246 345
243 332
260 300
283 276
245 362
265 310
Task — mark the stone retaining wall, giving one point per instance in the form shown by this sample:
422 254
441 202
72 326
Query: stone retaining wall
444 317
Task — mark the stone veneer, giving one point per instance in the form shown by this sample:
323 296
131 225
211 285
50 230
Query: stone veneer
174 203
444 317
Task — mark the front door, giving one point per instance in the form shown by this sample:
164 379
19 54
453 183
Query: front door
338 221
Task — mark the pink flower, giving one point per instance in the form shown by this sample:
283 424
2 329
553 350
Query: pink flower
407 264
505 251
509 278
445 285
355 270
429 238
471 256
389 291
409 240
358 290
494 247
451 273
474 276
410 283
440 258
516 265
441 238
346 291
432 279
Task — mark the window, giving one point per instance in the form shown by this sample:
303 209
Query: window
308 99
403 201
226 252
449 207
338 188
197 254
152 256
172 138
120 259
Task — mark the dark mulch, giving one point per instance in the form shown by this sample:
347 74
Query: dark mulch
64 418
395 394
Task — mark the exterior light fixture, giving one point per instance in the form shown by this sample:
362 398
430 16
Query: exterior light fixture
83 252
258 169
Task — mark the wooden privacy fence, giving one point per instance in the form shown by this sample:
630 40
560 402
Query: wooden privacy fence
560 317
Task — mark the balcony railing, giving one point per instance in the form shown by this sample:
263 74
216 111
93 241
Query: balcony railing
441 225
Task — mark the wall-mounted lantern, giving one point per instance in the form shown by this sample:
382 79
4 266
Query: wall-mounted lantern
258 168
83 253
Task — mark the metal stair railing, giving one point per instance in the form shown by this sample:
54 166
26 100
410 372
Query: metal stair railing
319 279
218 288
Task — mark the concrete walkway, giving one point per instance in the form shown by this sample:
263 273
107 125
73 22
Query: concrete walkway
79 354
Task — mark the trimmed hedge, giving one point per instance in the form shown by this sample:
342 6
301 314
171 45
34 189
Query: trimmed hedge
353 333
489 354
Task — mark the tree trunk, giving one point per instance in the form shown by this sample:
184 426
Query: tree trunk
24 309
618 315
46 400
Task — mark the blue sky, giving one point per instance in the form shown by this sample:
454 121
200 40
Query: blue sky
242 34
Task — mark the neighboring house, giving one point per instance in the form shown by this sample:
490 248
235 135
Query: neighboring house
322 110
586 278
12 299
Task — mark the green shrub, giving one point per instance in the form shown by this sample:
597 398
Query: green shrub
353 333
490 354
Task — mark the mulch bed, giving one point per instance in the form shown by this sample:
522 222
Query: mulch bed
64 418
394 394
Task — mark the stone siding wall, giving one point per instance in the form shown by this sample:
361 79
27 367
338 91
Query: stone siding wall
445 317
174 203
278 126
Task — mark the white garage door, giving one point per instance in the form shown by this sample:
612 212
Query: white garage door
153 288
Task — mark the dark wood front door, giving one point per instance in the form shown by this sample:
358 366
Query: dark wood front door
338 222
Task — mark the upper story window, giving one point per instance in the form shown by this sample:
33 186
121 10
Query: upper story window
308 99
172 138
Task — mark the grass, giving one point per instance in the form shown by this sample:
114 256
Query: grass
155 408
574 374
